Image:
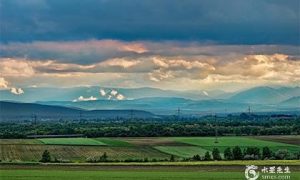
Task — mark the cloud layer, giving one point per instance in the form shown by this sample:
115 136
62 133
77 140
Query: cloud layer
225 22
165 70
170 44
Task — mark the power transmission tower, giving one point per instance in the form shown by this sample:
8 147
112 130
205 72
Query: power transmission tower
216 129
249 110
34 119
131 114
178 113
80 116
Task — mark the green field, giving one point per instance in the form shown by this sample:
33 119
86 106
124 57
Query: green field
128 173
71 141
224 142
113 142
182 151
114 175
160 148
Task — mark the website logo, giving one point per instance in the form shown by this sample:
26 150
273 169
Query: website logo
251 172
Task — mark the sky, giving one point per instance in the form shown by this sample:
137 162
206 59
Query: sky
169 44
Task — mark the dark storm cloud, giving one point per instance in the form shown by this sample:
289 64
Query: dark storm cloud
218 21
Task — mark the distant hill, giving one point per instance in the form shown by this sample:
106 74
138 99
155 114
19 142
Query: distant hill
14 110
265 95
292 102
165 105
70 94
163 102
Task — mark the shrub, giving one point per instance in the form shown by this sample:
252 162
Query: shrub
46 156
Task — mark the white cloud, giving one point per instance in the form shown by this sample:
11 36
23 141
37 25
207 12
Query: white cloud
102 92
16 91
3 83
81 98
120 97
112 95
16 67
113 92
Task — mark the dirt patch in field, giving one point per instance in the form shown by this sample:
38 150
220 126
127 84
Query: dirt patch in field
75 153
295 140
19 141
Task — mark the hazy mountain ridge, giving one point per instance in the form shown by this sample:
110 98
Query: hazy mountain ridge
70 94
266 95
167 101
294 102
14 110
163 105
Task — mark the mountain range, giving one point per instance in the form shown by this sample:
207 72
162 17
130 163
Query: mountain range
26 111
158 101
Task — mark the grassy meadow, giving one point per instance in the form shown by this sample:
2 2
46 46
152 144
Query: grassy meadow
114 175
129 172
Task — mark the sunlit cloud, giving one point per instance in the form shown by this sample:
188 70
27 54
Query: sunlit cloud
3 83
111 94
156 71
81 98
102 92
17 91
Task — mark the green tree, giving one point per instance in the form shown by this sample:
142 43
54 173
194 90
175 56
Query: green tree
282 154
46 156
228 154
104 157
216 154
196 157
252 153
237 153
207 156
172 158
266 153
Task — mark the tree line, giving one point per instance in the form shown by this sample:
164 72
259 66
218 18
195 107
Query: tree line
152 128
229 154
